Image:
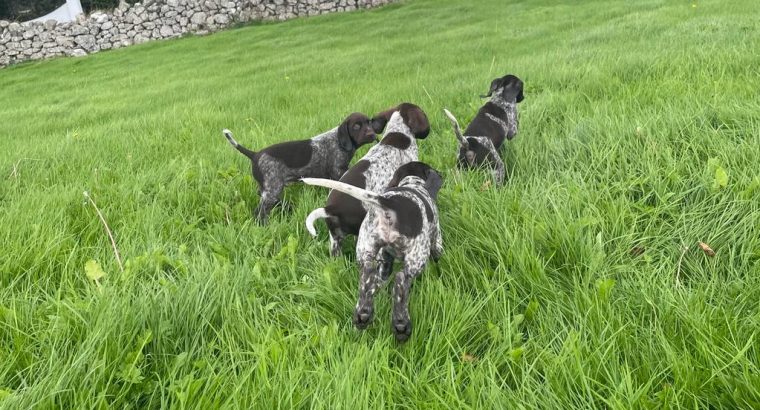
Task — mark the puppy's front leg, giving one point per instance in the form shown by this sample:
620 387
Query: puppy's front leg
401 323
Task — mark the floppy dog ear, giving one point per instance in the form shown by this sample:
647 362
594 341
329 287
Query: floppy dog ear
419 124
433 182
380 120
520 95
344 137
378 124
495 85
416 120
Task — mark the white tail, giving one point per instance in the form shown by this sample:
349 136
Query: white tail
227 133
318 213
243 150
457 131
356 192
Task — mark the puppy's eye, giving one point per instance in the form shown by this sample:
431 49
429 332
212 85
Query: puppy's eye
357 126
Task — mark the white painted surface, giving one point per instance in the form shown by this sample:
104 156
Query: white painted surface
67 12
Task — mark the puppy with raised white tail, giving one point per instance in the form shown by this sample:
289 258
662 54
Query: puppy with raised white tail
495 121
325 156
402 222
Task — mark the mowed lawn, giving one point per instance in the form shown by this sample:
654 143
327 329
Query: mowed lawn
579 284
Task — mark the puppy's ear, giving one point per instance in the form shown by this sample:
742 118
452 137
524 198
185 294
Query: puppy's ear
344 136
378 124
495 85
520 95
380 120
433 182
416 120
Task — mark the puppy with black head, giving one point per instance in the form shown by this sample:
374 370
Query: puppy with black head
402 222
403 125
325 156
495 121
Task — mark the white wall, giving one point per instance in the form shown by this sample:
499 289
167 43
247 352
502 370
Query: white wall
67 12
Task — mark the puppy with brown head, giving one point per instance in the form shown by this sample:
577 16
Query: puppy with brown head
325 156
495 121
403 125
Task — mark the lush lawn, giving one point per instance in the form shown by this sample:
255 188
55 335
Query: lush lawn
578 284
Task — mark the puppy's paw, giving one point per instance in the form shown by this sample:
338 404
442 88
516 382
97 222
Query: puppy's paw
402 329
363 317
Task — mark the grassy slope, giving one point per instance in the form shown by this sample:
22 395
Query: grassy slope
538 302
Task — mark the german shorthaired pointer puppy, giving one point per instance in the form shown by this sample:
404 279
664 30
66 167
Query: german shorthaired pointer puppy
343 213
325 156
402 222
496 120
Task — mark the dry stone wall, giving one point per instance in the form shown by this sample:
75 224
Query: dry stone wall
153 20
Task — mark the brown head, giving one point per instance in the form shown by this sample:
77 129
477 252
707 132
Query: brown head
413 117
508 88
355 131
432 178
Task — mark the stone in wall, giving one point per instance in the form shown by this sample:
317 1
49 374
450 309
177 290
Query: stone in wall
153 20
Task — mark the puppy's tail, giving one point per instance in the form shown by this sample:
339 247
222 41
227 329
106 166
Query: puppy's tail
245 151
356 192
457 131
318 213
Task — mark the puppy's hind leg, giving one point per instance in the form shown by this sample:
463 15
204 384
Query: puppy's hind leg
369 283
496 163
401 323
498 171
270 196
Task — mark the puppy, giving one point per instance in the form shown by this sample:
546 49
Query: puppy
495 121
402 223
343 213
325 156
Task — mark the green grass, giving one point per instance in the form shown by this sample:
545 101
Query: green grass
633 112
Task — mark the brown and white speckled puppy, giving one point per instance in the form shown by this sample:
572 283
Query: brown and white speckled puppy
344 214
325 156
496 120
402 223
